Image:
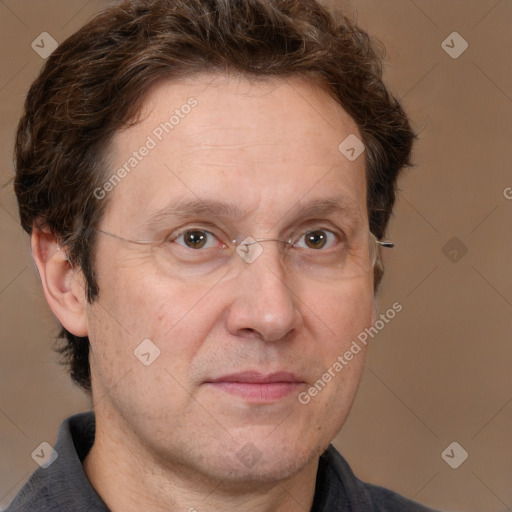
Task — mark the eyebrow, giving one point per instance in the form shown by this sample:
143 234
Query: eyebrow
220 209
196 207
325 206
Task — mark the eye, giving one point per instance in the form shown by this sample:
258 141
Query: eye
197 239
316 239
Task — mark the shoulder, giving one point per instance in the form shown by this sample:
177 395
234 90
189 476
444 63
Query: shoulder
62 485
339 489
33 495
386 500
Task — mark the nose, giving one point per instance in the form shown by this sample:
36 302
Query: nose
264 304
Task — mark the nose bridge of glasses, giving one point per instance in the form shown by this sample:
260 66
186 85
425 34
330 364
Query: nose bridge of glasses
250 249
258 240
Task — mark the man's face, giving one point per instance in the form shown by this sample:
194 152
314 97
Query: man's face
267 152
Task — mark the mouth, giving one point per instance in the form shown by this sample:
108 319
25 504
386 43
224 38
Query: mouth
257 387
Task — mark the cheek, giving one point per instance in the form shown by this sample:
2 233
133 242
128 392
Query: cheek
129 314
138 299
337 319
344 310
136 304
339 316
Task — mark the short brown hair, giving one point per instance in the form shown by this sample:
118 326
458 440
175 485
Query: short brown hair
95 82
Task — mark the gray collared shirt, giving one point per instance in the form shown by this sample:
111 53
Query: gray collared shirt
63 486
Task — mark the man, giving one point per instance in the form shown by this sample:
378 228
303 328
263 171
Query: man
207 186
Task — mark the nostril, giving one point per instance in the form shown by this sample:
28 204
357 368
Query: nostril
250 334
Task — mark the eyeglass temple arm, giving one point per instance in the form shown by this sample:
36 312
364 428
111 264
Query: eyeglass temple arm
382 243
386 243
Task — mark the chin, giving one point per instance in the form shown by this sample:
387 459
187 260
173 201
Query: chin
260 462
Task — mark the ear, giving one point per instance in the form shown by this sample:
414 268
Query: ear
63 285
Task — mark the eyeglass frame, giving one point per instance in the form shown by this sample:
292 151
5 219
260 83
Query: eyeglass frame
382 243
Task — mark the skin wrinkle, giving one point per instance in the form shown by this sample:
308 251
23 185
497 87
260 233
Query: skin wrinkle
128 50
186 211
187 433
248 103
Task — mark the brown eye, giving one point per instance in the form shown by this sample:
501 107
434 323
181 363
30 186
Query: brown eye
315 239
196 239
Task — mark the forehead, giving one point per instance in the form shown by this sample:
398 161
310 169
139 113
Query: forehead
266 146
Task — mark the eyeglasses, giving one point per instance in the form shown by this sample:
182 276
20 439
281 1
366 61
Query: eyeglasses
317 253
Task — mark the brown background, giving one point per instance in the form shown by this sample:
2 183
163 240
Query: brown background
441 370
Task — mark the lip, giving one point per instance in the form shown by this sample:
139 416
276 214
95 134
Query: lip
258 387
254 377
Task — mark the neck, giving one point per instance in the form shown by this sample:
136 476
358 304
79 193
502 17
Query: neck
128 479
